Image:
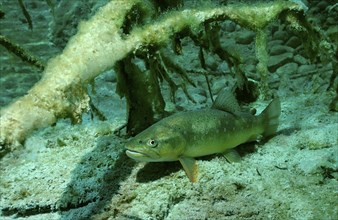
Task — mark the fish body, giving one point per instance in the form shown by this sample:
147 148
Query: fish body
186 135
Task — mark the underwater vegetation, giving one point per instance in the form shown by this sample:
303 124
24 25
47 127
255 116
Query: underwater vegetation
128 36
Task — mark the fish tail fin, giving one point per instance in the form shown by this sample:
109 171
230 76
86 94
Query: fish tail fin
270 117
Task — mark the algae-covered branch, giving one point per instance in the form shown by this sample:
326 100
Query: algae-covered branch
128 35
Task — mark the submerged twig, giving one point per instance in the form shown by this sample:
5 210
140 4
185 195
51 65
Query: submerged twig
20 52
26 14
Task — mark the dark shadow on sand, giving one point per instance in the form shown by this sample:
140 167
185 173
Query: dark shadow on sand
95 180
157 170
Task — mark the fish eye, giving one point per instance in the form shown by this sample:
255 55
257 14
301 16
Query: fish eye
152 143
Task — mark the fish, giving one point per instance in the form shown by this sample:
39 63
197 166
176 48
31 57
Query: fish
187 135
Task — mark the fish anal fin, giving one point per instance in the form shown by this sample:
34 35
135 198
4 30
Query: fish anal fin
190 167
232 156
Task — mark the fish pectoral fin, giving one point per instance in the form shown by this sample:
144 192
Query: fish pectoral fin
232 156
190 167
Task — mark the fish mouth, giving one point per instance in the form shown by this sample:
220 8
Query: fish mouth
138 155
132 153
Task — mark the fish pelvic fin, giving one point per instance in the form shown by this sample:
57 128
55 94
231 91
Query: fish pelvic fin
190 167
232 156
270 117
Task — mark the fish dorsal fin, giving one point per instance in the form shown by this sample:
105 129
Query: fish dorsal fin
227 102
190 167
